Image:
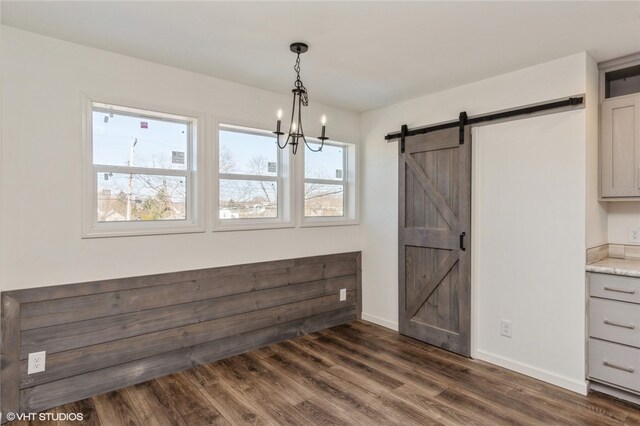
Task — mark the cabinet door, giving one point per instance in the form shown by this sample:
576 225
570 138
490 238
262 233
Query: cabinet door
620 147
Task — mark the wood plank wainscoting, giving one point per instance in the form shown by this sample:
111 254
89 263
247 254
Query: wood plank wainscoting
105 335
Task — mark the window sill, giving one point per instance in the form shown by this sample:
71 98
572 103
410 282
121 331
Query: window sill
326 221
252 226
134 231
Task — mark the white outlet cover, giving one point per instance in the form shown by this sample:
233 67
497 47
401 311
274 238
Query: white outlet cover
36 362
343 294
505 328
634 235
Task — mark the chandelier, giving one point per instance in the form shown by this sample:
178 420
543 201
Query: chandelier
300 99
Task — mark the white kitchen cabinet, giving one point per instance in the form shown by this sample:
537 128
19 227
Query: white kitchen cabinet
620 147
620 129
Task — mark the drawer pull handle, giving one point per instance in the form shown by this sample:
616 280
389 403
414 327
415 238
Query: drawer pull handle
620 290
618 367
617 324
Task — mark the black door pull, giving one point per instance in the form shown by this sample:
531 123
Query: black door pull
462 241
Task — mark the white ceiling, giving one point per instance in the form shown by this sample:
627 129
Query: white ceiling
362 55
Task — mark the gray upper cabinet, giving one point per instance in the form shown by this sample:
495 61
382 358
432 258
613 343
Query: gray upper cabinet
620 129
620 147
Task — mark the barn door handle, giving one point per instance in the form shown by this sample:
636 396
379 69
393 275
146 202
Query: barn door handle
462 241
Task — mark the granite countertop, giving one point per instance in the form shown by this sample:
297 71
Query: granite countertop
626 267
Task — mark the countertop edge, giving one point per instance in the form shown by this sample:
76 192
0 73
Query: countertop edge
603 268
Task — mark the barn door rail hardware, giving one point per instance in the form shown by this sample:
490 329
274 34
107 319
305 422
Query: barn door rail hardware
564 103
403 133
462 121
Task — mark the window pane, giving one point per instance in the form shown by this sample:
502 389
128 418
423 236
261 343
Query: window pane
323 200
247 199
326 164
123 140
248 154
137 197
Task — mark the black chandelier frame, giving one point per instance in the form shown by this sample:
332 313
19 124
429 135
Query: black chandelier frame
300 99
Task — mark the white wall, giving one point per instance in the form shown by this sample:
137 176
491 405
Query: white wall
529 251
557 79
42 81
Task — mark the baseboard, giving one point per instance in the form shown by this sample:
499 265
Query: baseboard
380 321
537 373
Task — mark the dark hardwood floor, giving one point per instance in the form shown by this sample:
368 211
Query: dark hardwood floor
353 374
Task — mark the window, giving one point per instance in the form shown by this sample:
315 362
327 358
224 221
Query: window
324 181
329 192
253 180
142 172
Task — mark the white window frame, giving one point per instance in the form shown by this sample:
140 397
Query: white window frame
284 180
350 181
194 173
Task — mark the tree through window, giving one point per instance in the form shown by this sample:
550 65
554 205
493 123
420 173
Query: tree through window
249 170
143 168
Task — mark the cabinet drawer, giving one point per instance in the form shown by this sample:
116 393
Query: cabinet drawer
615 364
615 321
614 287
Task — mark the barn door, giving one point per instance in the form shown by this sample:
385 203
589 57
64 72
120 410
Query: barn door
434 238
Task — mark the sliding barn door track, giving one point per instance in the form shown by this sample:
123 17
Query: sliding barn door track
465 121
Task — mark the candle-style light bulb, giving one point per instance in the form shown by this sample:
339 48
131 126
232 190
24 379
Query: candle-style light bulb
294 127
278 122
323 121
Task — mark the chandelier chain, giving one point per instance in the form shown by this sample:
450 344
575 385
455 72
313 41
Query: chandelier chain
298 83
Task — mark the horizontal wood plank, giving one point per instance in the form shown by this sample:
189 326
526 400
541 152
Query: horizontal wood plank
340 268
104 286
432 238
443 139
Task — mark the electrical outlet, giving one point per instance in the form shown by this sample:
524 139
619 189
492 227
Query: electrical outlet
36 362
505 328
634 235
343 294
